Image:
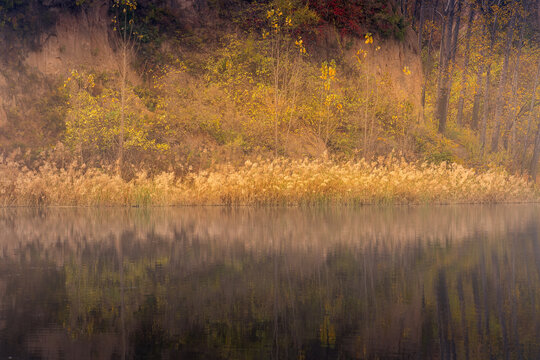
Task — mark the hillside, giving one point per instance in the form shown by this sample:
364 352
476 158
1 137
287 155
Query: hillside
180 86
186 45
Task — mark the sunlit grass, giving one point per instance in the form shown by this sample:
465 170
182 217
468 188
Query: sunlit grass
267 182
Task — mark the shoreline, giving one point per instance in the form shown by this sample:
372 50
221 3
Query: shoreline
274 206
268 183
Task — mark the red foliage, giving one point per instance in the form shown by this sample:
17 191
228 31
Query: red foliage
356 17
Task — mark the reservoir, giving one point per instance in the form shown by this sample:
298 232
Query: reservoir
419 282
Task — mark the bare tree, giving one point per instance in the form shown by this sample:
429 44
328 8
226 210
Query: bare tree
428 66
502 85
126 41
444 61
529 123
509 134
475 115
492 39
453 49
421 22
536 154
466 58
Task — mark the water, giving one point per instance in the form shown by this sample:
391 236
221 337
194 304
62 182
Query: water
214 283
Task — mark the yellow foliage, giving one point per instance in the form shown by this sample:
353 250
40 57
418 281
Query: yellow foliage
92 122
369 38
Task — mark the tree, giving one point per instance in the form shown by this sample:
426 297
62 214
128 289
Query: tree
428 63
283 17
84 114
477 97
465 70
536 151
123 25
93 122
502 85
494 12
421 21
444 62
510 132
536 155
453 49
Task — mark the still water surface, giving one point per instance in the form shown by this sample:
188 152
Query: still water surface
213 283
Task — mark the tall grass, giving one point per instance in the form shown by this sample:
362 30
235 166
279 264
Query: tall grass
267 182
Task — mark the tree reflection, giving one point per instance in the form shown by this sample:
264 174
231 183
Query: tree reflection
271 283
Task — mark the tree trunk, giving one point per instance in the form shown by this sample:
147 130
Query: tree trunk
462 93
276 52
502 85
428 70
475 116
417 11
404 8
122 108
443 91
483 130
442 47
493 36
529 122
421 24
510 128
455 33
453 51
78 122
536 152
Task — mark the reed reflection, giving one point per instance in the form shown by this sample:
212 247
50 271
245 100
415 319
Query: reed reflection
437 282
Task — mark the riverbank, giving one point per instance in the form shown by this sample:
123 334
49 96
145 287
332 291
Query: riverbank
267 182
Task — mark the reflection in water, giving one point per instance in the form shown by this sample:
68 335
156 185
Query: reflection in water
400 282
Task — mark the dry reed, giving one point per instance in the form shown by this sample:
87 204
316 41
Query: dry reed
267 182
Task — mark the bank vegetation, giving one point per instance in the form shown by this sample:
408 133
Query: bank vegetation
388 180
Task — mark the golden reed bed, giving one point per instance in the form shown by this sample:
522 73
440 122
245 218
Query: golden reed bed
268 182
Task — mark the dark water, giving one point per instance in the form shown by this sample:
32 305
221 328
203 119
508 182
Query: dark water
212 283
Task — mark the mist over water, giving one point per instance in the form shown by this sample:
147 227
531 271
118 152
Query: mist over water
246 283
